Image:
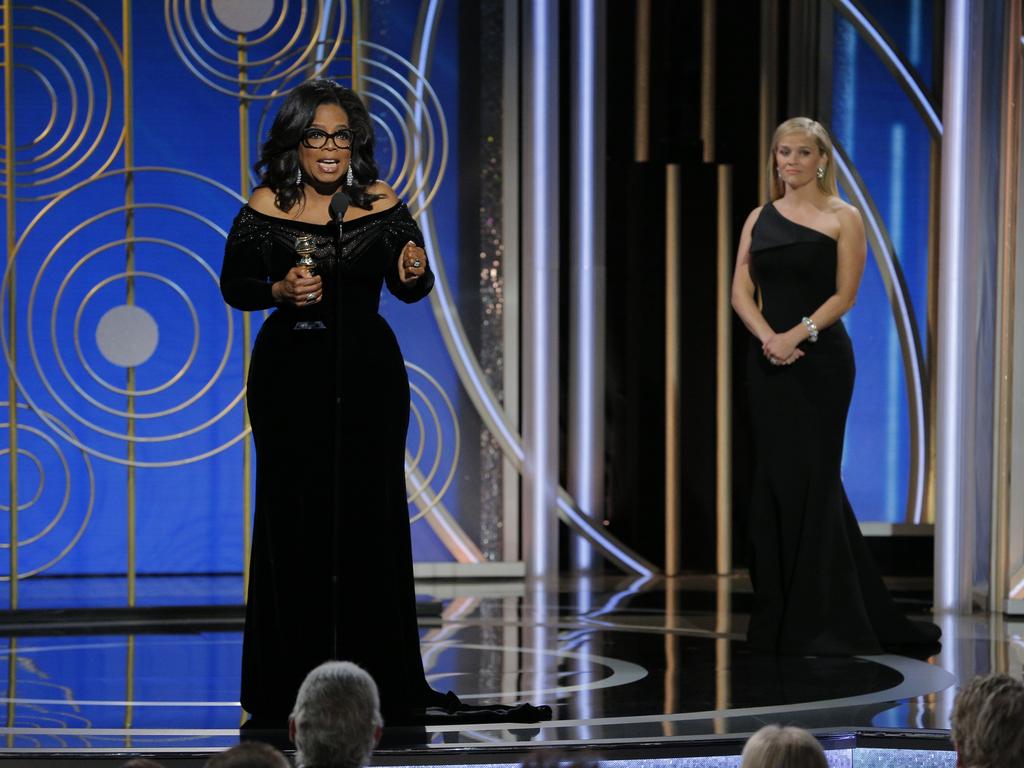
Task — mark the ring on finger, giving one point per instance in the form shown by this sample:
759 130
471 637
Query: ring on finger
310 296
416 263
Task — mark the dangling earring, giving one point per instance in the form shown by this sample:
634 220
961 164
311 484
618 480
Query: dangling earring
821 172
298 177
350 177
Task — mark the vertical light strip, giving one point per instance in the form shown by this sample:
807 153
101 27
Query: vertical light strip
243 160
12 386
723 399
586 389
642 85
952 557
540 283
707 79
1004 488
673 252
129 248
510 271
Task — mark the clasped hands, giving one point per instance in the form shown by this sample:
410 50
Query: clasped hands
782 349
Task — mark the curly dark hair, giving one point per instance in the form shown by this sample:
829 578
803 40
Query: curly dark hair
279 157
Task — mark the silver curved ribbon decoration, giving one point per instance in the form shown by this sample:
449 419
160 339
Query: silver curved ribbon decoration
471 375
894 61
906 325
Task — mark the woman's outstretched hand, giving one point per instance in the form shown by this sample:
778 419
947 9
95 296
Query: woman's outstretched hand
412 263
298 288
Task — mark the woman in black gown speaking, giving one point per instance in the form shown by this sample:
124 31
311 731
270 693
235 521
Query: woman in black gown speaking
799 266
331 565
328 399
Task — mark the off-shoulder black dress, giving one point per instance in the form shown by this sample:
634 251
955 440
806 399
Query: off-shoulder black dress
817 590
331 578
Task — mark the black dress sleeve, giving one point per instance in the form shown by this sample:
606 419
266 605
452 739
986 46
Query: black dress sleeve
245 275
397 232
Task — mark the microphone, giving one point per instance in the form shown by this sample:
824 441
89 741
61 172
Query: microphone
339 204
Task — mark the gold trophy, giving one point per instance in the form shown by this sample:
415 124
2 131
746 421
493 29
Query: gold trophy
305 248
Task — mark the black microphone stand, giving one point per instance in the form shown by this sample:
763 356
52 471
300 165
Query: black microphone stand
339 204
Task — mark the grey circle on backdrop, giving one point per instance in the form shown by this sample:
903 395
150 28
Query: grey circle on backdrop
127 335
243 15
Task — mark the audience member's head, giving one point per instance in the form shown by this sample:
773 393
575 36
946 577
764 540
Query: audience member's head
249 754
142 762
777 746
336 722
988 723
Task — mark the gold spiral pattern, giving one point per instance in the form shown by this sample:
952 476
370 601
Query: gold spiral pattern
70 278
71 54
428 437
297 41
42 451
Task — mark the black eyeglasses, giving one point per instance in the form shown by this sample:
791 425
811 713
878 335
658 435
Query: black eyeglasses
314 138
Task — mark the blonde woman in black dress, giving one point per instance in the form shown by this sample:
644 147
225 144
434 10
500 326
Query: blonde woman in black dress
799 266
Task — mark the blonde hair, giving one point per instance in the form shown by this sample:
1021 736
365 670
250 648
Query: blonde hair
986 722
814 129
776 746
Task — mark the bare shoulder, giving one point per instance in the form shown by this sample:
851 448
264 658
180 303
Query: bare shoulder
388 196
262 201
850 221
842 210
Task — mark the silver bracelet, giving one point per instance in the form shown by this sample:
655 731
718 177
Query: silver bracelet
812 329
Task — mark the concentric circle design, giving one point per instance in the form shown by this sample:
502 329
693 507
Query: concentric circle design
409 123
69 52
94 306
54 507
430 463
245 49
127 335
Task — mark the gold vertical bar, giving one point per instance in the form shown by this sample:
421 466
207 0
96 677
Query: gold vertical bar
671 700
767 117
12 387
642 90
129 236
931 333
723 652
243 151
12 679
357 33
707 80
129 689
1010 155
673 246
723 399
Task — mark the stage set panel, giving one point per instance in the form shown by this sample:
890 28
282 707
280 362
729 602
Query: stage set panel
136 125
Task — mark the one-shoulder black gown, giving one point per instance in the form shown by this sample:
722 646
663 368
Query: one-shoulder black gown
331 578
817 590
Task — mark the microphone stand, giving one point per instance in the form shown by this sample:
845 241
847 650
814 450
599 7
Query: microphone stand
339 204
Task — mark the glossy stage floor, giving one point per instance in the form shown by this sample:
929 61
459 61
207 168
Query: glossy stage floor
636 670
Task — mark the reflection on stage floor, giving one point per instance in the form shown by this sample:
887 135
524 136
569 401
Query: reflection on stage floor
633 668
